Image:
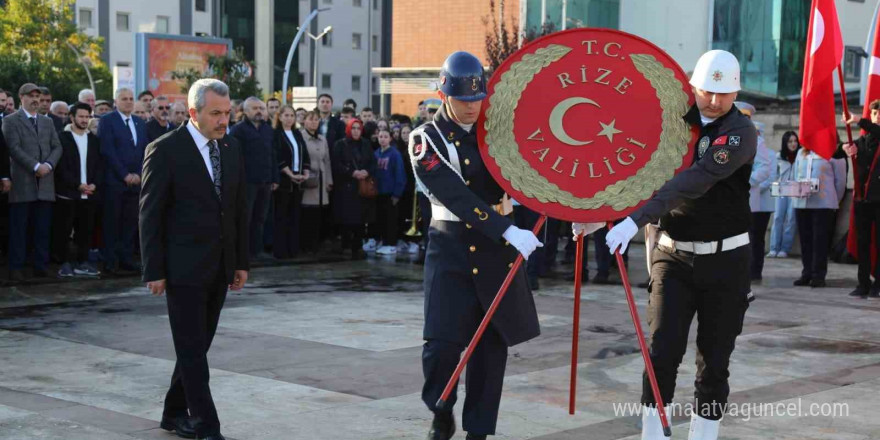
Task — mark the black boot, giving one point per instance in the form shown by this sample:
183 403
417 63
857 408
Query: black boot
475 437
802 281
443 426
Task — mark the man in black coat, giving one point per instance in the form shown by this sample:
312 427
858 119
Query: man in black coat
160 123
194 244
76 182
331 126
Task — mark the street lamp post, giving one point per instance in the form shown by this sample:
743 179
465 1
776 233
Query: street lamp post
317 38
293 46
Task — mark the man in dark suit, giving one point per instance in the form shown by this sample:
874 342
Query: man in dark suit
5 182
34 150
123 139
76 182
331 127
194 244
160 123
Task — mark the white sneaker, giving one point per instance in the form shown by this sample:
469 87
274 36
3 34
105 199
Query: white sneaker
402 247
370 245
772 254
414 248
703 429
782 254
387 250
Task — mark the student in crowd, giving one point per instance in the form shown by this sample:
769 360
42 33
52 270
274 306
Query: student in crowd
815 214
391 181
783 229
353 161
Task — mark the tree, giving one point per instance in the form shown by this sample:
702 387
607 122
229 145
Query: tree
502 42
39 41
233 69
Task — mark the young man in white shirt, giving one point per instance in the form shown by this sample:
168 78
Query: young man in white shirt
75 188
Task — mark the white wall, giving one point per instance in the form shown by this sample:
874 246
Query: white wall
201 21
855 23
341 61
679 27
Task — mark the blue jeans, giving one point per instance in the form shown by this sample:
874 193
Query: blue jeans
784 226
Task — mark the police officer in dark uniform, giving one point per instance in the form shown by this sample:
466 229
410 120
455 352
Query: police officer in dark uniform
701 262
867 199
472 246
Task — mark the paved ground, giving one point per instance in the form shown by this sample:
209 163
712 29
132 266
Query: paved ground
332 351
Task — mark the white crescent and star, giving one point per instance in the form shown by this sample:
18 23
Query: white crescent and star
558 129
818 32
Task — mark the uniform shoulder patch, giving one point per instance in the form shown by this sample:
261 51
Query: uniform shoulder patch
417 149
430 162
721 156
734 141
720 140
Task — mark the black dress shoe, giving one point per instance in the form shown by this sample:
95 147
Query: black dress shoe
475 437
358 254
443 426
860 292
817 283
41 273
214 437
16 276
183 426
602 280
802 281
874 293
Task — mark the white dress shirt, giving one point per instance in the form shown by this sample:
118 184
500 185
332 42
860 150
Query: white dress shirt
202 143
82 145
295 165
130 117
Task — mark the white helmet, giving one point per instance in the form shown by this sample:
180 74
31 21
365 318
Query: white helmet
717 71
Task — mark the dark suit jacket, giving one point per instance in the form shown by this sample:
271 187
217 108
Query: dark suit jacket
122 156
67 173
155 131
284 154
4 154
59 122
187 232
335 132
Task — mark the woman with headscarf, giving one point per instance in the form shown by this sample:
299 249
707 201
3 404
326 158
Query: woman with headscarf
353 162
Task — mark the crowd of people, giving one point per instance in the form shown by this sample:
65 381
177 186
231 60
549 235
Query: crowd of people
317 181
73 178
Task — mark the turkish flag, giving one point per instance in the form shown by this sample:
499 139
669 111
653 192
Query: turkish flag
873 83
818 120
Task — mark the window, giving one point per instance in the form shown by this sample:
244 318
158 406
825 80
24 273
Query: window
355 83
356 3
356 41
325 81
123 64
122 21
162 24
201 6
375 43
85 18
375 85
852 63
327 40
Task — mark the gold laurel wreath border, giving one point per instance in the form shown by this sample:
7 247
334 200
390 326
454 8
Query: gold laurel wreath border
620 195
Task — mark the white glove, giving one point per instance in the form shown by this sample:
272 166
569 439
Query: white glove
620 235
524 241
585 228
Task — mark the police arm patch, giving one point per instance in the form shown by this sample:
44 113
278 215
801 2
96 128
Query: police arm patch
734 141
721 156
720 140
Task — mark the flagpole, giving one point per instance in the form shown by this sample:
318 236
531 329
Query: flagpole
846 116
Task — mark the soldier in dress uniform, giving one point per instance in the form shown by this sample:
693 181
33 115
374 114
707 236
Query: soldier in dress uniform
700 264
473 244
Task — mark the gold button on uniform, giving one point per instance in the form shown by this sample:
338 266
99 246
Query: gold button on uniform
473 248
467 161
467 182
509 265
507 243
467 225
476 271
457 143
